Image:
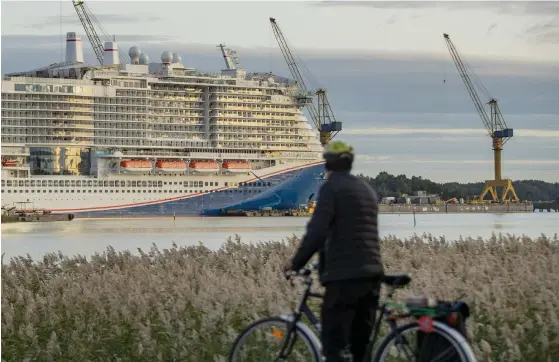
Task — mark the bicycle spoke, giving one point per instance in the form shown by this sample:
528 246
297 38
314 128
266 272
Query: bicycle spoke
272 343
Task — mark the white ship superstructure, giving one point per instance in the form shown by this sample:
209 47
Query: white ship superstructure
84 138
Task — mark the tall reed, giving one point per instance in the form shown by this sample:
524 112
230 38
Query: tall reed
188 303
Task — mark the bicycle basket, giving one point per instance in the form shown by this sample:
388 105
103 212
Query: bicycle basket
452 313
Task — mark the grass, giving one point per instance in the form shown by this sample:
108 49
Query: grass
188 303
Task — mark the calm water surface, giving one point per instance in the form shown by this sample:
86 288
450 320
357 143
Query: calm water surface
87 236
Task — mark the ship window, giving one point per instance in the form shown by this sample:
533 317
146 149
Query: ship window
106 183
32 191
94 183
133 183
78 183
180 182
32 183
55 191
9 183
73 183
165 183
122 183
106 191
111 183
116 191
3 182
144 191
67 191
217 183
50 191
26 183
66 183
89 183
175 182
149 184
89 191
44 183
9 191
159 184
206 183
112 191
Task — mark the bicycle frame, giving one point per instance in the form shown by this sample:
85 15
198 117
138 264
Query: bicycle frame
303 309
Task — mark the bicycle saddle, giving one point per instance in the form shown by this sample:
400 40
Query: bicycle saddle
396 280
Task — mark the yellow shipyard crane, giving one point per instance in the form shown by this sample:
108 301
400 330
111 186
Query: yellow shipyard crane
496 128
321 114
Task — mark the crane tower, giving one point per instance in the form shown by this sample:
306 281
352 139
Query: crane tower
496 128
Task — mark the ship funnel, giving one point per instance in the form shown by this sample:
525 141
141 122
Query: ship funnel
110 56
74 48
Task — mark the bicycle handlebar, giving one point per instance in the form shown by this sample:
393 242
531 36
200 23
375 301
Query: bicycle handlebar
304 272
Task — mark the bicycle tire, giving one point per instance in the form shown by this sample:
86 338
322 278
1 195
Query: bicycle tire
300 330
456 339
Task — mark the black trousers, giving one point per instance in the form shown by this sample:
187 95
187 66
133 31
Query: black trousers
348 316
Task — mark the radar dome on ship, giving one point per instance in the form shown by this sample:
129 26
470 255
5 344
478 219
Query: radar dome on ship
144 59
176 58
166 57
134 52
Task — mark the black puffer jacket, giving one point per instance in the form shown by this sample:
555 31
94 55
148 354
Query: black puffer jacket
344 229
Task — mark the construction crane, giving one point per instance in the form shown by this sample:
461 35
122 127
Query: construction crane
496 128
88 20
321 114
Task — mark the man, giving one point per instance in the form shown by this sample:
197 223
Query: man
343 229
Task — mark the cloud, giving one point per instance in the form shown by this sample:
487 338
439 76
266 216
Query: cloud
537 133
73 20
369 159
544 32
513 7
491 28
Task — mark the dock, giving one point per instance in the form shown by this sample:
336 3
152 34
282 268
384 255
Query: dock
455 208
546 205
34 215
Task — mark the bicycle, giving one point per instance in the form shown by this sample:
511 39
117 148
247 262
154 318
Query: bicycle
427 319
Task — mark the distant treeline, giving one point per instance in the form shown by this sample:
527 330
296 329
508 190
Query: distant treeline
388 185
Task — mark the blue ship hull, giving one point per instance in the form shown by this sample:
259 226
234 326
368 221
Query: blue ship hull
291 189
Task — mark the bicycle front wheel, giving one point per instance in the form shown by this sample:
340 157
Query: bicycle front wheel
408 343
266 339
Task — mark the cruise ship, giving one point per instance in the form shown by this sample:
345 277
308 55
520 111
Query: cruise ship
142 138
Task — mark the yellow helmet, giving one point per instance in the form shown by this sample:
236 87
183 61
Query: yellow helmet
338 149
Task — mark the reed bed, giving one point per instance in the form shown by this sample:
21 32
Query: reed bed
188 303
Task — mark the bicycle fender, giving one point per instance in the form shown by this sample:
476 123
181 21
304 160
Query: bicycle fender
305 329
459 338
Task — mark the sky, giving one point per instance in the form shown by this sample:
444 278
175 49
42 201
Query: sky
386 66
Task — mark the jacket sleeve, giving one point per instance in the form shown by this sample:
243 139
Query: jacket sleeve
317 228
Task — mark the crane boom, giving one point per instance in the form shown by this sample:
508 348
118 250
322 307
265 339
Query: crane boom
88 20
293 68
321 115
89 30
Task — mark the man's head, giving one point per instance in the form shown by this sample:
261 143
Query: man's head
338 157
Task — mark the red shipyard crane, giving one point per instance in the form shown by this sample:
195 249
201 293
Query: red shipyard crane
496 128
321 114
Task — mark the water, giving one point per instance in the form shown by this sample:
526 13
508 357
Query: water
87 236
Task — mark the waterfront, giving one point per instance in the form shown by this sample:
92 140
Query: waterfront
87 236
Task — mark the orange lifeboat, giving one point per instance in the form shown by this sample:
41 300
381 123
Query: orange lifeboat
236 166
204 166
170 166
9 163
136 165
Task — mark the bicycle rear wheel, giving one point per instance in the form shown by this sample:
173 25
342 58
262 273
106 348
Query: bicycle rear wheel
408 343
263 341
